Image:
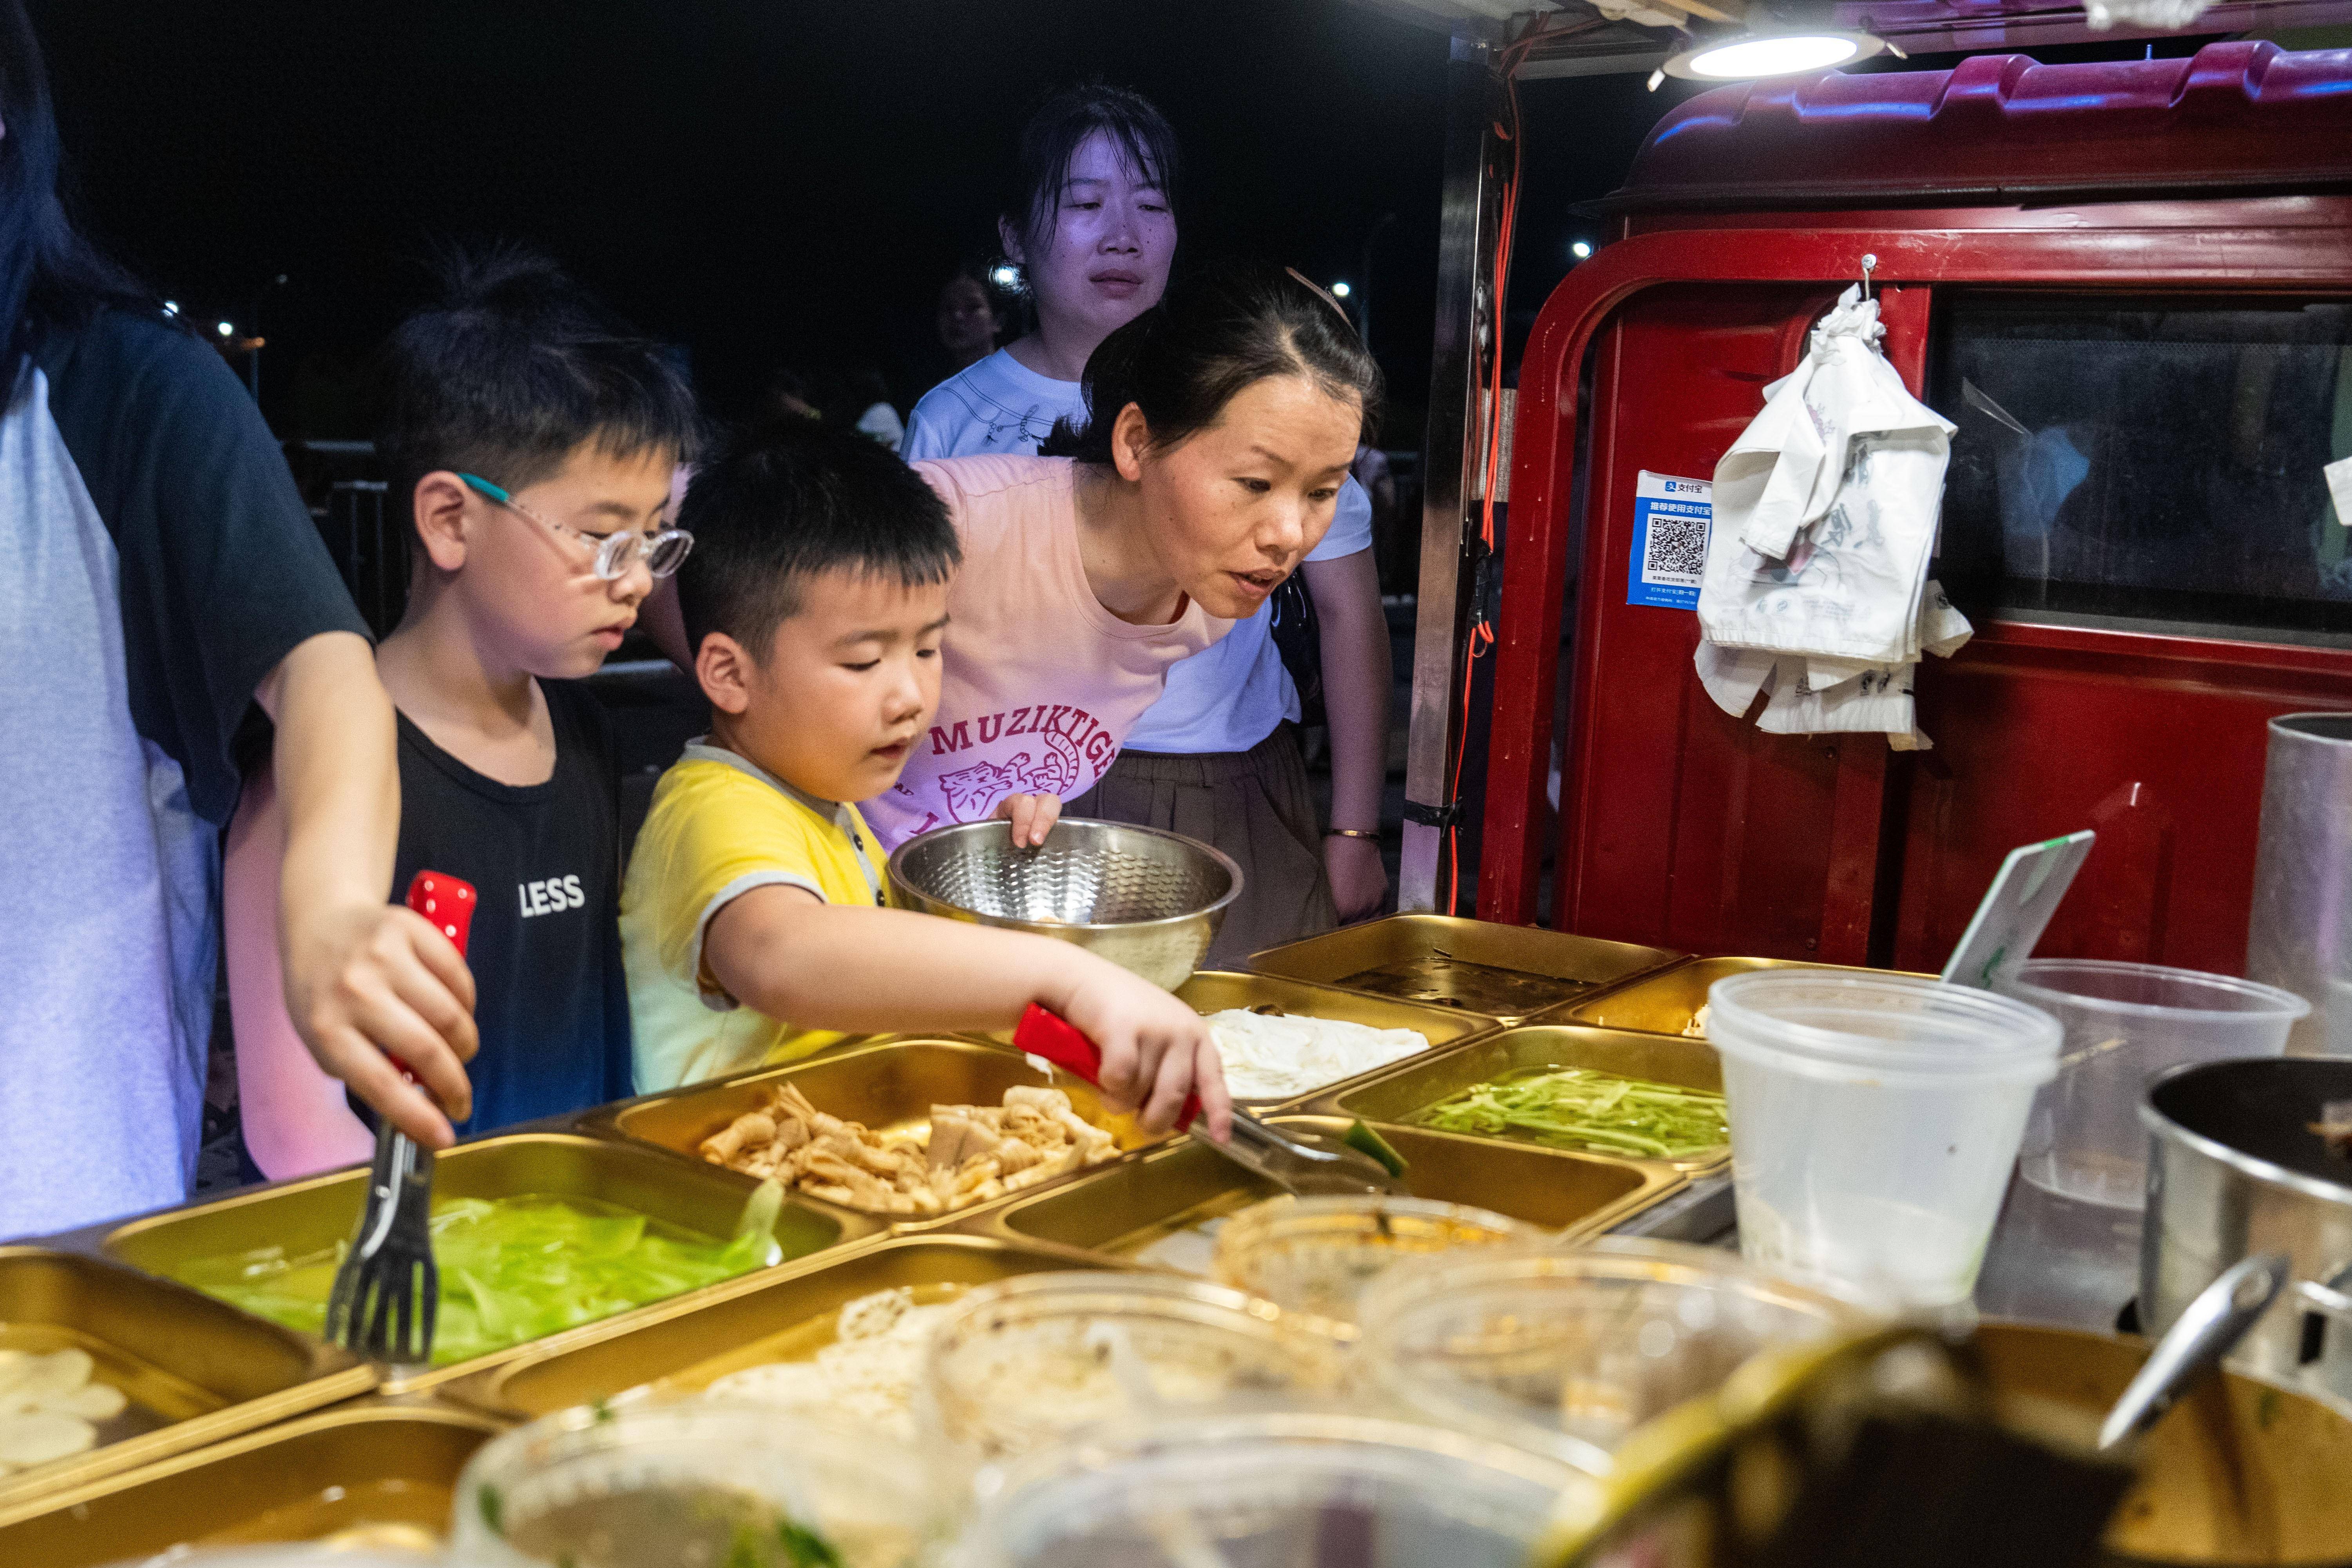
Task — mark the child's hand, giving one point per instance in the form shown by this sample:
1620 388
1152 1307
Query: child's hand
1033 817
1155 1049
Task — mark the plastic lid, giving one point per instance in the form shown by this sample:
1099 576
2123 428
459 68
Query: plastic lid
1296 1485
1315 1254
624 1475
1898 1027
2110 985
1021 1361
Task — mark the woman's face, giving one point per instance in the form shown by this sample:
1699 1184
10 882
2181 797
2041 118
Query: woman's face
967 319
1231 510
1104 262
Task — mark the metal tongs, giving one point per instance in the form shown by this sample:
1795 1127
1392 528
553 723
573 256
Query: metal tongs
387 1291
1302 1163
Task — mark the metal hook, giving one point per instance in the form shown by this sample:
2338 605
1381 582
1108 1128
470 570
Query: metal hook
1869 264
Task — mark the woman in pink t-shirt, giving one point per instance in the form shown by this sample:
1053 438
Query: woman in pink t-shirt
1223 421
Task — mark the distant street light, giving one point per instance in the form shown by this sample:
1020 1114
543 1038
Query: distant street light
1580 249
1339 290
226 328
170 307
1004 275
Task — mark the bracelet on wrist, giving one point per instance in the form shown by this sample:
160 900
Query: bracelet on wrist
1350 833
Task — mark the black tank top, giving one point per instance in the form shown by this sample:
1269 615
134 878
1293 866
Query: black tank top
545 947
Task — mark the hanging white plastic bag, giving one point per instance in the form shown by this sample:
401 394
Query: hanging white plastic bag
1825 506
1823 696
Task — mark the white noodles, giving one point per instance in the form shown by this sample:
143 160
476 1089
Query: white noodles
1277 1057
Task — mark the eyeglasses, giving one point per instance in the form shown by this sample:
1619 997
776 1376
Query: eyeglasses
615 553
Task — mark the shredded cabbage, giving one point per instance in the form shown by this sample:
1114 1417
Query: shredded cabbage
512 1268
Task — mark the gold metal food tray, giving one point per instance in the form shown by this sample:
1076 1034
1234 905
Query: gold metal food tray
1125 1210
366 1462
195 1370
1666 1001
890 1085
1506 972
319 1211
1414 1086
786 1316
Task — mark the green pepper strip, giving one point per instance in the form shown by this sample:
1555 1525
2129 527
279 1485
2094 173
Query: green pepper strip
1600 1110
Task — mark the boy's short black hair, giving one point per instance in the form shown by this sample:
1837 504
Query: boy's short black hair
514 370
788 499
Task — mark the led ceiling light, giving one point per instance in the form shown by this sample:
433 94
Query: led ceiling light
1745 56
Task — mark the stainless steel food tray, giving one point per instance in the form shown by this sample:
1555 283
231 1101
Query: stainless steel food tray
1505 971
365 1463
785 1315
319 1211
889 1084
1410 1087
195 1370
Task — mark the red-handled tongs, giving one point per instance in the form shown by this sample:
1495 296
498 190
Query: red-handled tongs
387 1290
1301 1163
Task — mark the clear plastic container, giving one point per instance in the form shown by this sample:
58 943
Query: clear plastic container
1874 1120
1270 1491
1317 1254
2124 1022
1025 1360
1564 1353
686 1483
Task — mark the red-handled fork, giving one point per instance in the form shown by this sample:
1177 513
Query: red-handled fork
1301 1162
387 1290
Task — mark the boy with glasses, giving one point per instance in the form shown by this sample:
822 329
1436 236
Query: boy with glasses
531 438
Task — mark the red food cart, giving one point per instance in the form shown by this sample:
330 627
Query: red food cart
2130 286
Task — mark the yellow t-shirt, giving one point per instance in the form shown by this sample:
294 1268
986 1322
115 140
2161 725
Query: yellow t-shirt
718 827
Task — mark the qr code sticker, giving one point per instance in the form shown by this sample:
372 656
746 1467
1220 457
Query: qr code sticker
1676 549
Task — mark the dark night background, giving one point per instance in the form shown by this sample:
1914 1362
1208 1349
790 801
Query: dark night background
767 183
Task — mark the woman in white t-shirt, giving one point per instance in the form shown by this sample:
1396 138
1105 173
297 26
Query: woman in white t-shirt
1217 756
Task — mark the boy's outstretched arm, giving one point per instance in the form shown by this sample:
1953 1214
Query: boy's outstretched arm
362 975
785 952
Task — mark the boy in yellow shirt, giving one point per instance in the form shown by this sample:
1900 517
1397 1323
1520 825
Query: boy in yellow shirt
755 923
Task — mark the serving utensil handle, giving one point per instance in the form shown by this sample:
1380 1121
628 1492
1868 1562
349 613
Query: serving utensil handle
1045 1033
448 903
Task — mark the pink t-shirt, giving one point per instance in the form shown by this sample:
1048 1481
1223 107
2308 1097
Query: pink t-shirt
1041 683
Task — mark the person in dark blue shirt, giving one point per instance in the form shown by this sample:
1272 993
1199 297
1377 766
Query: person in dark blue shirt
164 581
532 439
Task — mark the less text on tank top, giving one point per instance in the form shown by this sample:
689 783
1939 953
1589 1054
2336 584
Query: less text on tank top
545 947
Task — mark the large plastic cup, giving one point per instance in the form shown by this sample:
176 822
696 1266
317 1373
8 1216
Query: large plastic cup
691 1481
2124 1022
1874 1120
1270 1491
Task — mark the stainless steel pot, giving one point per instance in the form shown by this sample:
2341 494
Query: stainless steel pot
2234 1169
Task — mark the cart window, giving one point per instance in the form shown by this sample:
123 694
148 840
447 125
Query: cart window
2148 461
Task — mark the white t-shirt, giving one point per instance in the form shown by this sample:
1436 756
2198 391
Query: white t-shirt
1227 698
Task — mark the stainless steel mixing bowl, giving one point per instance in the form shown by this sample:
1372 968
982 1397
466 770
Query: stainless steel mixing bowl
1147 901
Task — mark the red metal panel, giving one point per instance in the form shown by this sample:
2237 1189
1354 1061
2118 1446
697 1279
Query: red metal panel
2287 244
2235 114
2156 741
